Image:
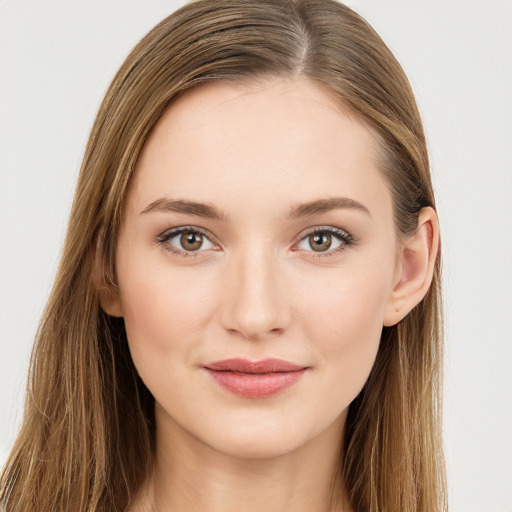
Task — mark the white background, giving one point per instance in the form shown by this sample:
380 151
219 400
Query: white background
56 60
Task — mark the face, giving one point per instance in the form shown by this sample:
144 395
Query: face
257 226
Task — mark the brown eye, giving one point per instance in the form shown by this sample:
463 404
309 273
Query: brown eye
326 241
185 240
320 242
191 241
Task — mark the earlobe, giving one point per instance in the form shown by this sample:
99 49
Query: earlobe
418 256
110 299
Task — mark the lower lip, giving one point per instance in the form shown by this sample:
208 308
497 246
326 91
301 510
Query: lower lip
255 385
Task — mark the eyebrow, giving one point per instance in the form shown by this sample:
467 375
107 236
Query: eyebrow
183 206
319 206
308 209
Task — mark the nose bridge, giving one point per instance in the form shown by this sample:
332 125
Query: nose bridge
253 304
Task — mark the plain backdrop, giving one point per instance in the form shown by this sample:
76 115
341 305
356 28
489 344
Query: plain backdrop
56 60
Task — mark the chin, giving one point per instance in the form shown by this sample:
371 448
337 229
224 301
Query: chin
256 447
264 438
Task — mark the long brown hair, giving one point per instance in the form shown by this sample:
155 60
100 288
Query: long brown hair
87 438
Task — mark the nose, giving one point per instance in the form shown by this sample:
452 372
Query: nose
255 304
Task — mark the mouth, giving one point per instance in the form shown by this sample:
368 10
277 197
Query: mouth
258 379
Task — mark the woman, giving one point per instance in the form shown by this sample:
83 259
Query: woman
247 311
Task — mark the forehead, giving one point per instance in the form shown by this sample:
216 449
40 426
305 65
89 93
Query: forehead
282 139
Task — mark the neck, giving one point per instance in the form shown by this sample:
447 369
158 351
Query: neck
192 477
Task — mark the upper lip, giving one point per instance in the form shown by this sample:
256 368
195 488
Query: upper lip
246 366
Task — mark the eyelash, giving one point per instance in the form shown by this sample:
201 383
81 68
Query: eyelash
341 235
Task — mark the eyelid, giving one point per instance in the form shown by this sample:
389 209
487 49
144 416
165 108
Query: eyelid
172 232
342 233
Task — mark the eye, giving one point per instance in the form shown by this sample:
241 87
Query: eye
325 241
185 240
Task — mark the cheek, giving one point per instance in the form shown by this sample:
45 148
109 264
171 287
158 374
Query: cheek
347 307
164 311
344 319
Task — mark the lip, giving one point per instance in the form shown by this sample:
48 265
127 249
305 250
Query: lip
255 379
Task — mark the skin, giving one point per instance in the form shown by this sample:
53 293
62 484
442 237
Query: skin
256 288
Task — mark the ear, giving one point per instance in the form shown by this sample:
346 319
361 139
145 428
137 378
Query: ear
418 255
110 298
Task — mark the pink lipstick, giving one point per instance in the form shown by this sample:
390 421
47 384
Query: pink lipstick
258 379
